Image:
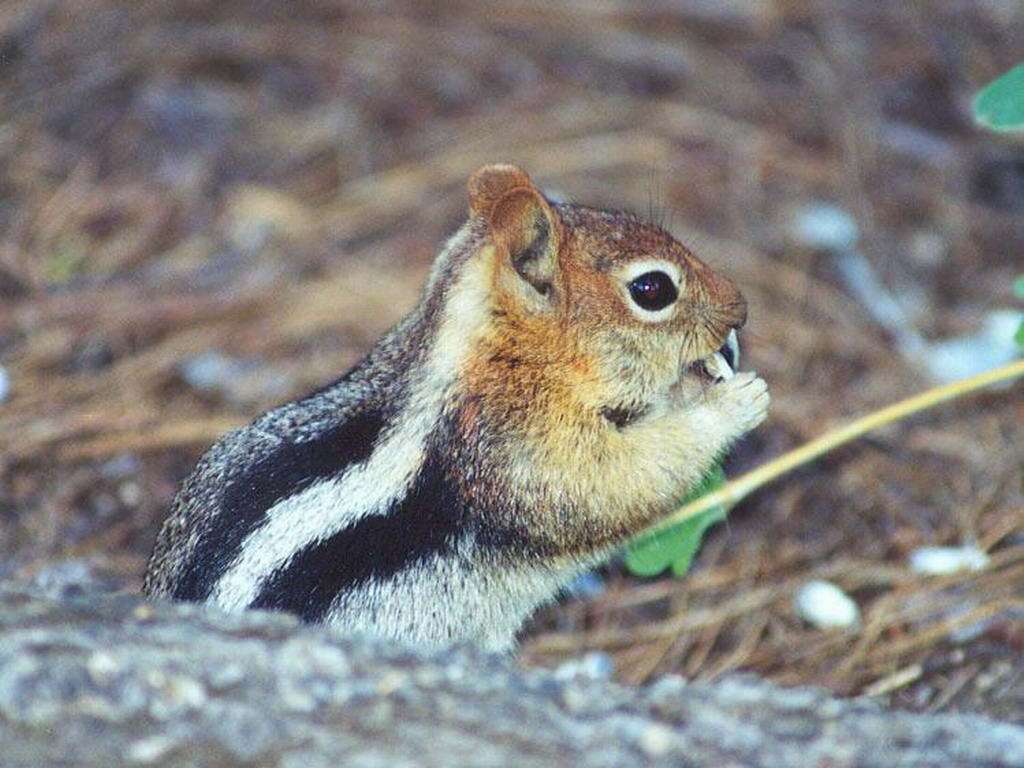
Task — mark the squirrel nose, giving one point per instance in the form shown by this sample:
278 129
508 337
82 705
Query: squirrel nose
741 311
723 293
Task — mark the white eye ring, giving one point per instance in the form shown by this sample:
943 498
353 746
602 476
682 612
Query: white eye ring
634 270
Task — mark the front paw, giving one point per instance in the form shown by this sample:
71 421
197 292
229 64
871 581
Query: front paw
743 400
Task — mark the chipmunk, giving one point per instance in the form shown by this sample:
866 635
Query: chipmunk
568 375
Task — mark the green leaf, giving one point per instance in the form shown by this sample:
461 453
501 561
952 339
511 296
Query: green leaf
1019 336
1000 104
675 547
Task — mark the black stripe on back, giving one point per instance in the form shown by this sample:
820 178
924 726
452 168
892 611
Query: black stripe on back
288 470
427 522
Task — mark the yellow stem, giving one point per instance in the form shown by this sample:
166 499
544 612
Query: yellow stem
738 489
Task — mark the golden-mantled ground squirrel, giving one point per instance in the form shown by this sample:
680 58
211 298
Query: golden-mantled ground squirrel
567 376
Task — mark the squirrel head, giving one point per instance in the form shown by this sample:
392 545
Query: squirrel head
621 308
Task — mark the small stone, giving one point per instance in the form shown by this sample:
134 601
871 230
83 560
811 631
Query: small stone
101 667
121 467
70 578
928 248
295 698
575 699
5 384
825 227
391 682
130 493
942 561
211 371
666 697
176 694
592 666
655 740
240 381
151 749
225 676
825 605
598 666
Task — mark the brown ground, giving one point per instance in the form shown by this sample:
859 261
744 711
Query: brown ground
272 184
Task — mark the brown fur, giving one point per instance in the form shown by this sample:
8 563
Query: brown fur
545 369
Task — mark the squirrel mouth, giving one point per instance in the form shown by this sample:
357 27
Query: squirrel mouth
721 365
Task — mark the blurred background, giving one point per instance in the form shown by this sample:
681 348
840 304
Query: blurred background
207 208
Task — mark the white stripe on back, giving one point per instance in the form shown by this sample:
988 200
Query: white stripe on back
325 508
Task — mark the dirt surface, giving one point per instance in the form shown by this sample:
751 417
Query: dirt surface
208 208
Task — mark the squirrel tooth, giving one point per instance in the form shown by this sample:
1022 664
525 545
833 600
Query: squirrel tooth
724 369
732 342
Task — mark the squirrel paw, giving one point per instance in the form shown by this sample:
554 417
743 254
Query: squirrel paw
744 400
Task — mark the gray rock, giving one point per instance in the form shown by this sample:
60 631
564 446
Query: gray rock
109 680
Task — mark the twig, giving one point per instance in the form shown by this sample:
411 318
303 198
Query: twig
895 681
961 678
736 490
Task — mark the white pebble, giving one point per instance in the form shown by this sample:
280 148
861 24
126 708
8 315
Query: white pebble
5 384
101 667
655 740
942 561
592 666
825 605
210 371
150 749
825 226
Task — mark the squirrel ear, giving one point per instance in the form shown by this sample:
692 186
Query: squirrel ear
521 221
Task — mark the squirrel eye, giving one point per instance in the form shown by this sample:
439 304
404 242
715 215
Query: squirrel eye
653 291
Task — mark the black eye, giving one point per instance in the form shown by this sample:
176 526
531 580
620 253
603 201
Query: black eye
653 291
